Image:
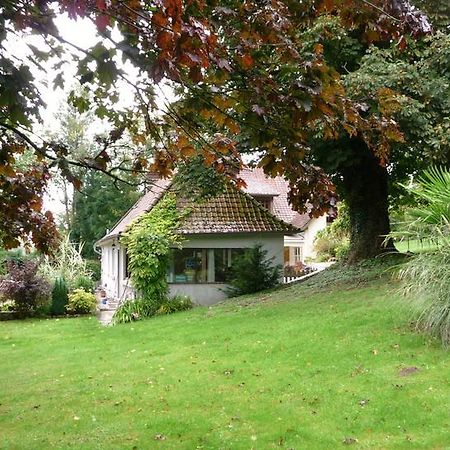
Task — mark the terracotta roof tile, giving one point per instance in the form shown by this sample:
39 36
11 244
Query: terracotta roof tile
255 178
231 212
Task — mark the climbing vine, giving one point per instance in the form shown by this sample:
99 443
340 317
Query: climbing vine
148 241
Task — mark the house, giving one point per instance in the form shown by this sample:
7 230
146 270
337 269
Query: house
214 232
273 194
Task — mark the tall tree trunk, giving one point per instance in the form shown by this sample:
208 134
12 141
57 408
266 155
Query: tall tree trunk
365 184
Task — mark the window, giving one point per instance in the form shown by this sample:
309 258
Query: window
265 201
126 263
201 265
190 265
298 254
223 258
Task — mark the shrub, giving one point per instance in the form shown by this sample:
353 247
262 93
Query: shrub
25 287
175 304
83 282
426 285
333 242
94 267
252 272
66 263
81 302
7 306
132 310
59 297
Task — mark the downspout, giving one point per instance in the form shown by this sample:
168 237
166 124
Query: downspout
118 270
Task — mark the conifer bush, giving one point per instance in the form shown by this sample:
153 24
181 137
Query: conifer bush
59 297
252 272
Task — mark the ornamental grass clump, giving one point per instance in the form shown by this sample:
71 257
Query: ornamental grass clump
426 276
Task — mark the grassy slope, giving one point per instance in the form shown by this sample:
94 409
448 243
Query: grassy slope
301 367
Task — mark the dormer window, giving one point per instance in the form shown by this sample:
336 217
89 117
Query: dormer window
265 201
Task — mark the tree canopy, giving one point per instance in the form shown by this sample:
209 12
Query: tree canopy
250 75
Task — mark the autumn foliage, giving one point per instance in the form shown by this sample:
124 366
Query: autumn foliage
236 65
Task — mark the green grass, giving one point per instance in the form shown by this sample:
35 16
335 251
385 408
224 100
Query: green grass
303 367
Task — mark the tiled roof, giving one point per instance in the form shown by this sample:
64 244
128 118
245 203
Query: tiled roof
255 179
231 212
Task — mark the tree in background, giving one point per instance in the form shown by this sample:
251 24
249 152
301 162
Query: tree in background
72 132
98 206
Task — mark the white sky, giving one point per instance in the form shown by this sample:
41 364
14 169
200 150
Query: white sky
82 33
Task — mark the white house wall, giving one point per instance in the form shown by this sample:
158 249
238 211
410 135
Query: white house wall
210 293
305 240
315 225
117 286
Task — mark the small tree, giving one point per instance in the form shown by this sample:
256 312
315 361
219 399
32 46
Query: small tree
253 272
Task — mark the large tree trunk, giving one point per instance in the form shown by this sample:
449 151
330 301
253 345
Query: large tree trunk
365 184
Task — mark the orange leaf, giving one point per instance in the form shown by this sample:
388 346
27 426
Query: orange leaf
188 151
318 48
247 61
164 40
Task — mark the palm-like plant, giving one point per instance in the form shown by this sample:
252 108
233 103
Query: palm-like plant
430 218
426 276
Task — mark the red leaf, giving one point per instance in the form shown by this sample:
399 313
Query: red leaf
164 40
101 5
102 22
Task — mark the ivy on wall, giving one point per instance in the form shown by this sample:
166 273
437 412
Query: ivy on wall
149 240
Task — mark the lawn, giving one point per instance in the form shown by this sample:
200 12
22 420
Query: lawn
325 364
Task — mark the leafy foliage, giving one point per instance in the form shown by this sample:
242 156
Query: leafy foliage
25 287
81 302
148 241
175 304
132 310
426 284
94 267
252 272
200 181
426 276
59 297
243 65
430 219
109 199
333 241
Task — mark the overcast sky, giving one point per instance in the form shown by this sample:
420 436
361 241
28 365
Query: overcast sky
82 33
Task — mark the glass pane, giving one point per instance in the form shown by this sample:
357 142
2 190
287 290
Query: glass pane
223 258
190 265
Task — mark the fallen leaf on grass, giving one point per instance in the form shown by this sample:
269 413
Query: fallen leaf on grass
406 371
349 440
